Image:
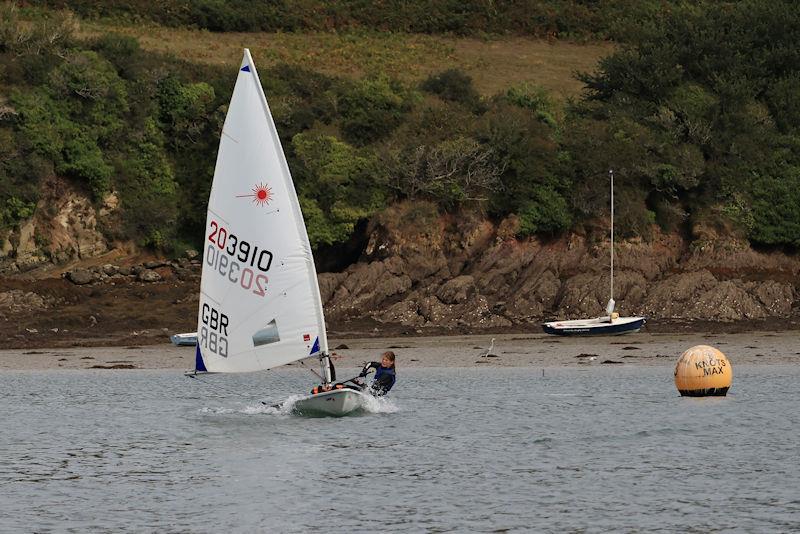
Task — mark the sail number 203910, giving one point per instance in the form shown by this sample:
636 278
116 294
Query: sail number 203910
233 258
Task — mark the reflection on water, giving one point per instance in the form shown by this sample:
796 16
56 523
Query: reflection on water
600 449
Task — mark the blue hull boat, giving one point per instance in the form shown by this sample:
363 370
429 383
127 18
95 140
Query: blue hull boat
601 326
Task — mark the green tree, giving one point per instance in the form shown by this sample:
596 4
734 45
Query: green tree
338 186
149 200
544 211
535 99
453 85
185 110
371 109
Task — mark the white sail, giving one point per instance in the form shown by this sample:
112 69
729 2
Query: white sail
259 299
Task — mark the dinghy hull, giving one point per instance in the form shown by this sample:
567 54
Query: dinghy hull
189 339
336 403
594 327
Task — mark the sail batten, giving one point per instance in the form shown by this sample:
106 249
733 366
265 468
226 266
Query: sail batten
259 302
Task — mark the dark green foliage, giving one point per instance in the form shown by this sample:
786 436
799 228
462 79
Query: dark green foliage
697 113
338 186
148 189
83 161
14 210
433 121
184 110
533 98
774 208
546 211
548 18
123 52
75 117
371 109
299 98
783 99
20 173
453 85
533 186
709 93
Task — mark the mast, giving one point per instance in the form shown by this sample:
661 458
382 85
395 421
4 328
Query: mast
611 303
611 173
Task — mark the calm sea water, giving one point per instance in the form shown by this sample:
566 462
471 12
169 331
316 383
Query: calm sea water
594 449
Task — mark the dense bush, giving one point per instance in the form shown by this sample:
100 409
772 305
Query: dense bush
338 185
453 85
709 96
697 113
149 200
372 108
453 173
548 18
535 99
546 211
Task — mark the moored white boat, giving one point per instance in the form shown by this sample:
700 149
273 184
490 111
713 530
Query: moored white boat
612 323
598 326
188 339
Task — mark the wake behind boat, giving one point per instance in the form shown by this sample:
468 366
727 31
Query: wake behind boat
260 305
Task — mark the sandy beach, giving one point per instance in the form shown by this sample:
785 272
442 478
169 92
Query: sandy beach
509 350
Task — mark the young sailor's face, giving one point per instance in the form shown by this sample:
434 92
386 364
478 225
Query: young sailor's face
386 362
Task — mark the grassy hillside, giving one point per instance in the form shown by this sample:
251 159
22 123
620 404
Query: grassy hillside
697 112
494 64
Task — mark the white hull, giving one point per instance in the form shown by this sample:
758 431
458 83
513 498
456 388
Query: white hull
598 326
337 403
187 339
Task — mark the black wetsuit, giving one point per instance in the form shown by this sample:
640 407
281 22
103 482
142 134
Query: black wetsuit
384 378
382 382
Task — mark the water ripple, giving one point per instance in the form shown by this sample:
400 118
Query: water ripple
451 450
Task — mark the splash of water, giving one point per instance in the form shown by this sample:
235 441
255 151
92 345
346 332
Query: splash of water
372 404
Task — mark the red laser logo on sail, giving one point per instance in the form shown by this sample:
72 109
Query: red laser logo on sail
261 194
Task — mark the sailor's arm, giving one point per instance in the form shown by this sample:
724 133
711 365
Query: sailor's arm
368 367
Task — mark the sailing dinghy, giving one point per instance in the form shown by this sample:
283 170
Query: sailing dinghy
260 305
611 323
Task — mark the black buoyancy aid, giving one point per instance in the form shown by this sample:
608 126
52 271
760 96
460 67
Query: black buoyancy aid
384 380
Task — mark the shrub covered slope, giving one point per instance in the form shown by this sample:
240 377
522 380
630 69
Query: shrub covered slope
697 111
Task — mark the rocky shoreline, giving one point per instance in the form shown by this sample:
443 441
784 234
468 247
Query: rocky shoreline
424 275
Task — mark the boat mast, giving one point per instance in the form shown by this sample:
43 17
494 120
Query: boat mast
611 302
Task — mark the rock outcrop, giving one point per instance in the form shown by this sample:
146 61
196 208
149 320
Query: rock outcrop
64 227
448 272
420 269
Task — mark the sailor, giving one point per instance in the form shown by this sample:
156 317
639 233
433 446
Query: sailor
384 377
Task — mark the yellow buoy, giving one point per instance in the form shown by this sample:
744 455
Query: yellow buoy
702 371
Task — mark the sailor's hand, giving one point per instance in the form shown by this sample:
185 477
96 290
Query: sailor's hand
335 356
